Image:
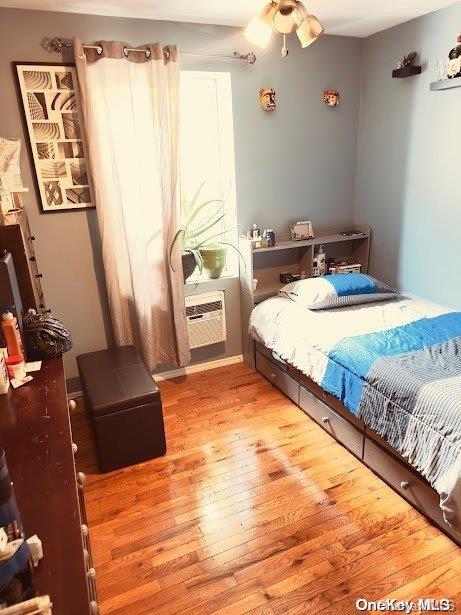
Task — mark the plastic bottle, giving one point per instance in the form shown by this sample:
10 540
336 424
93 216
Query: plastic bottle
11 334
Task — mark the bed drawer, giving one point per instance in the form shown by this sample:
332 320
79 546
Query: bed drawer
278 375
404 481
343 431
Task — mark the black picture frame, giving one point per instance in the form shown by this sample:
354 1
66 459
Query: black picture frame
31 141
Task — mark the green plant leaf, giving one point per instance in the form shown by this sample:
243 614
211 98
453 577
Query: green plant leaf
205 241
200 208
205 227
173 243
191 205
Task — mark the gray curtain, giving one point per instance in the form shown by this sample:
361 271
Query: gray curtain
131 113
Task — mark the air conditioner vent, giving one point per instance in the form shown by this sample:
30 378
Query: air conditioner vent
206 319
204 308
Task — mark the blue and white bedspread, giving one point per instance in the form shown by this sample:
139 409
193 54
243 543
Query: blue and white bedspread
396 365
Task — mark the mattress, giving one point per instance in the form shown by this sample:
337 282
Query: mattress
396 365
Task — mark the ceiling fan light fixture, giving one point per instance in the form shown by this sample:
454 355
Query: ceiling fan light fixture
309 31
259 30
288 17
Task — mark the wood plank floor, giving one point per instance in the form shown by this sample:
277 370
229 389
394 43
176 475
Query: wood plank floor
254 509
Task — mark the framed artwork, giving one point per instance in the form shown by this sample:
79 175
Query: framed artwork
52 116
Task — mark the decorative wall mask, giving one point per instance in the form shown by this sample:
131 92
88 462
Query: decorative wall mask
268 99
51 107
331 98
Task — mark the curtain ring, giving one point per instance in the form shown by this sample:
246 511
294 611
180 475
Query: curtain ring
99 50
147 53
125 51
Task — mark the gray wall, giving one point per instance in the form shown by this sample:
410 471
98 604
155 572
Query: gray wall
298 162
408 187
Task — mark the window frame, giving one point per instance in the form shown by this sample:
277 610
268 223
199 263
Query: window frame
227 180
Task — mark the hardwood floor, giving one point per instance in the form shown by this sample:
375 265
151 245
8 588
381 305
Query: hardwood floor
254 509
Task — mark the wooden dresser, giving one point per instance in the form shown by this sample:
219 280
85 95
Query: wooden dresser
36 435
17 238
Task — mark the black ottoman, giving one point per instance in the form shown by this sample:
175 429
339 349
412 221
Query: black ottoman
124 406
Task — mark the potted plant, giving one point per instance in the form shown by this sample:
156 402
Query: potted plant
201 246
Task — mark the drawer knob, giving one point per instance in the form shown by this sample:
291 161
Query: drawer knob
274 376
94 607
74 448
325 419
84 530
72 405
91 574
405 484
81 479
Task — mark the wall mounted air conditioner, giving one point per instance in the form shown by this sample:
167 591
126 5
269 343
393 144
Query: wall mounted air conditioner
206 319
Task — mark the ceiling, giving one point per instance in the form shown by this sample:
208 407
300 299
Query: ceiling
346 17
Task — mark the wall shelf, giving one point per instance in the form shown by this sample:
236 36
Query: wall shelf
266 264
445 84
322 239
406 71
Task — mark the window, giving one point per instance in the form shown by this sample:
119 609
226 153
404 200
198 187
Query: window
207 151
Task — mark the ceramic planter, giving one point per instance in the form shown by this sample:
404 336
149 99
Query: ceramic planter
188 264
214 260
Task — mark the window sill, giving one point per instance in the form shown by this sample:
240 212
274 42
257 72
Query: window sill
203 278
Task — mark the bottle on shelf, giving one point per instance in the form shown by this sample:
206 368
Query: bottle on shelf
11 334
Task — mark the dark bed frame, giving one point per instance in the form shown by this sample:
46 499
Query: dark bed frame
352 433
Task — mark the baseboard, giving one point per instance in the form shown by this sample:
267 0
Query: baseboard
199 367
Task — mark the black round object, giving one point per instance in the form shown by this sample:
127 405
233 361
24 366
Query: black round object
45 336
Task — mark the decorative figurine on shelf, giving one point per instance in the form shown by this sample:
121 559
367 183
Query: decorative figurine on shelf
454 60
331 98
46 337
407 60
267 97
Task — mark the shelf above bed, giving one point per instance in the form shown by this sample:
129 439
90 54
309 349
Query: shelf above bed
266 264
316 241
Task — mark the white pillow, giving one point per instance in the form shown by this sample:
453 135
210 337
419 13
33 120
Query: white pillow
338 290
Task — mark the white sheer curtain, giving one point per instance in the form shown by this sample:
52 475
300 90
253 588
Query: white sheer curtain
131 113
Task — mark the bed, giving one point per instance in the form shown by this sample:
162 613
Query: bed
383 378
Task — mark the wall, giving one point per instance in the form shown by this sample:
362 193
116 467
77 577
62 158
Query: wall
285 162
408 187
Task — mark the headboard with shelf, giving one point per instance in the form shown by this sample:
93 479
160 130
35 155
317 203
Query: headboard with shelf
265 264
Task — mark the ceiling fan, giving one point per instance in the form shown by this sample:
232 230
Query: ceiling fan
284 17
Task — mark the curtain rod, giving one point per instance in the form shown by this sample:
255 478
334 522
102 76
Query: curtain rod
58 44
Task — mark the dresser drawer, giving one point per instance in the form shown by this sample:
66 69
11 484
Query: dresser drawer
351 437
407 483
278 375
